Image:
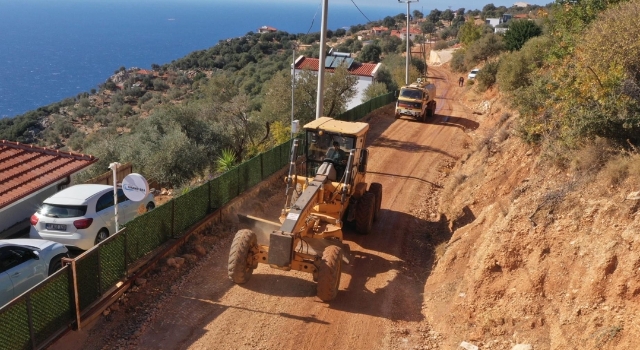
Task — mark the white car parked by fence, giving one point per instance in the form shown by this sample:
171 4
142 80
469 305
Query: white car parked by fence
25 263
83 215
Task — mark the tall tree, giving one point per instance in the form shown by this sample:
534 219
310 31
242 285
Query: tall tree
370 53
447 15
519 32
469 33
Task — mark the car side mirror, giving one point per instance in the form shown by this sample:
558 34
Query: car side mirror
364 155
36 254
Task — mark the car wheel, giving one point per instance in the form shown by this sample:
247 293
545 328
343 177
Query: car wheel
56 264
102 235
150 206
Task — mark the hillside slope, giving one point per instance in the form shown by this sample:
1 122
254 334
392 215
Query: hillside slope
538 255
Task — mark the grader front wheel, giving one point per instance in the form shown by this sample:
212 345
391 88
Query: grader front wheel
329 271
240 265
365 211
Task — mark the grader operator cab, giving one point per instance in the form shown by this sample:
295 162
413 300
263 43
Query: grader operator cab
328 190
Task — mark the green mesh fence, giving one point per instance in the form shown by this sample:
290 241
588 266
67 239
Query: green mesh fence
112 261
14 326
229 185
270 162
190 208
216 194
362 110
88 278
249 173
285 153
48 316
147 232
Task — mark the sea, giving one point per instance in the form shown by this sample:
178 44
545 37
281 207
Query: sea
51 50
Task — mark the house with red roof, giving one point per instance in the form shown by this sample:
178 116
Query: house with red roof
267 29
402 33
31 174
379 30
366 72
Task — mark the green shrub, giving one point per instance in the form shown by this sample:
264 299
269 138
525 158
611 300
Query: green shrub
487 76
457 61
441 45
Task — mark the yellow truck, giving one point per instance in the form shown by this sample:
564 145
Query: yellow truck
417 100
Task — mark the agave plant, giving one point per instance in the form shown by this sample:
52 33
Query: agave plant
226 160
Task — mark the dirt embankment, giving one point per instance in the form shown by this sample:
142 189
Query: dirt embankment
479 240
539 255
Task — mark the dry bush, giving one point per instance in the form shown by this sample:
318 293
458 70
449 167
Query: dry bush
448 191
591 157
617 169
634 165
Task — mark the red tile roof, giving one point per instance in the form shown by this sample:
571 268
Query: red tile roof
362 69
25 169
379 29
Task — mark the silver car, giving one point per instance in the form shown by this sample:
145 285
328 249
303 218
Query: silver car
25 263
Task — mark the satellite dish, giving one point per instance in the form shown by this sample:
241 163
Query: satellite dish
135 187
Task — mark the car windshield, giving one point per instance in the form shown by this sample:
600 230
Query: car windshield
410 93
62 211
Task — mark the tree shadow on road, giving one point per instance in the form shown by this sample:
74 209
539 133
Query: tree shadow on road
458 122
385 142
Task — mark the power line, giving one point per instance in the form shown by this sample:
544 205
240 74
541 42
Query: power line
365 16
313 20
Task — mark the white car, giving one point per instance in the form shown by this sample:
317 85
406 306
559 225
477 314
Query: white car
25 263
82 216
473 73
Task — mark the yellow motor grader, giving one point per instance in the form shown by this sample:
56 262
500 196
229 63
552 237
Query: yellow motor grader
326 188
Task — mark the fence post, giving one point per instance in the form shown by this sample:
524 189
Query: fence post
73 288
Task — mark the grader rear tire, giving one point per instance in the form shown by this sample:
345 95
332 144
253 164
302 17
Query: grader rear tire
365 212
240 266
329 271
376 189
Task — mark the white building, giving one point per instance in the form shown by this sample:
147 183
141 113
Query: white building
366 72
493 21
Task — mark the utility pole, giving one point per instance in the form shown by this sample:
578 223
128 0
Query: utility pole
293 82
321 60
407 36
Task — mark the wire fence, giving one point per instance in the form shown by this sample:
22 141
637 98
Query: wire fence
47 310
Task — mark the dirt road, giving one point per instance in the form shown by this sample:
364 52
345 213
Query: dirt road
380 302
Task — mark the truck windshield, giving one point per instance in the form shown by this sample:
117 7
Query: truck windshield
410 93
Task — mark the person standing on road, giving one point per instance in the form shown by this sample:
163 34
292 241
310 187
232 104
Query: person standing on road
461 81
